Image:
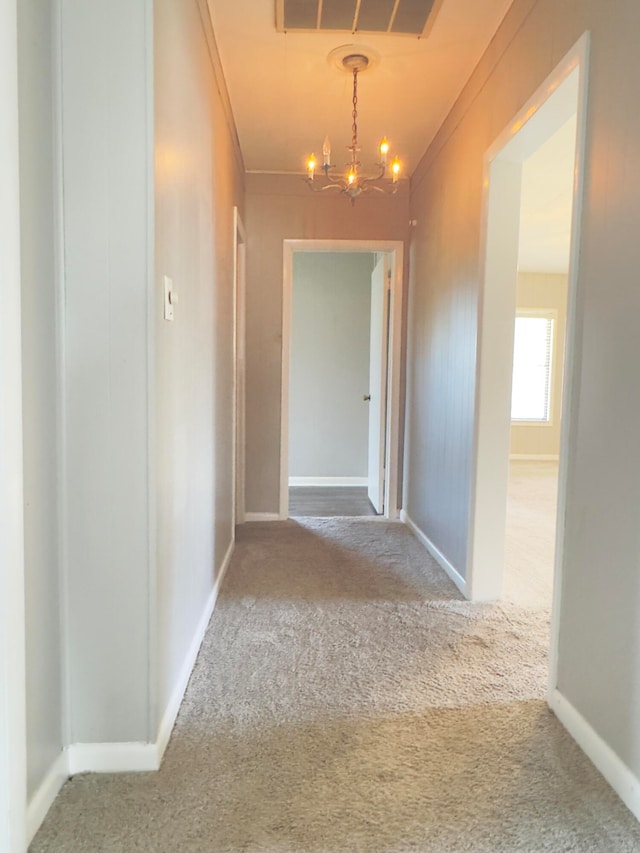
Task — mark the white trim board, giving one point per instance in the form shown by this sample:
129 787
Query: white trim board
239 371
262 516
127 757
437 555
124 757
13 759
621 778
395 248
328 481
173 706
48 790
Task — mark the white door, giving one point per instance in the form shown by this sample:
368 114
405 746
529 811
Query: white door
378 382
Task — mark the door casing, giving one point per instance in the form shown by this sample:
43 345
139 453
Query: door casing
13 759
396 248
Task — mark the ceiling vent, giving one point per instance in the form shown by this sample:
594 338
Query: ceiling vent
396 17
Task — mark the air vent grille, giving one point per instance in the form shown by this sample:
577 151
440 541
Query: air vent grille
399 17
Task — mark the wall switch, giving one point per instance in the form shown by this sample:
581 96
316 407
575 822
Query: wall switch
169 298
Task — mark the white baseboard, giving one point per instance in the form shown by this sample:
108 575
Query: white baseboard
438 556
123 757
261 516
42 800
112 757
328 481
173 706
621 778
534 457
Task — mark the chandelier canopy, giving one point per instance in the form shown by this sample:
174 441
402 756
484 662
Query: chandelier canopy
353 183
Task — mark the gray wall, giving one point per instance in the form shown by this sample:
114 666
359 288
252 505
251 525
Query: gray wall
106 119
141 494
280 208
331 308
600 622
193 384
40 388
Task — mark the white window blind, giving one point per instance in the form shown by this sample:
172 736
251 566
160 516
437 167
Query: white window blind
532 363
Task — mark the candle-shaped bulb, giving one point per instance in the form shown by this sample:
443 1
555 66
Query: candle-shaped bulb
351 176
395 169
326 152
384 150
311 166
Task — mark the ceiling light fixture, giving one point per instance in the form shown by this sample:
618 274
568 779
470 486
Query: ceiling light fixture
353 182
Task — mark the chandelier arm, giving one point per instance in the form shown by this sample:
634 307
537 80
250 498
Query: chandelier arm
378 177
333 185
337 181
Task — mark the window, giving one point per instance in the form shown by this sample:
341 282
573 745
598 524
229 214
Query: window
532 361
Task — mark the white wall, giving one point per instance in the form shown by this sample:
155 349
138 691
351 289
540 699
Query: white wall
198 180
599 640
331 308
106 120
41 388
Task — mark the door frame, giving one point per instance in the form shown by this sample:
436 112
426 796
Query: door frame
502 167
395 248
13 758
239 369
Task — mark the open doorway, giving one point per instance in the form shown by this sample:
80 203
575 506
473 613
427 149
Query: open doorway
522 408
239 383
546 203
342 308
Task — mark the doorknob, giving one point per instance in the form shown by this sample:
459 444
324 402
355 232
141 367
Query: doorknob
367 397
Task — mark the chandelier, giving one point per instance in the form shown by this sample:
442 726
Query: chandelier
353 182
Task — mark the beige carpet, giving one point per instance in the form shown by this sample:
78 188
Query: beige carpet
531 533
347 701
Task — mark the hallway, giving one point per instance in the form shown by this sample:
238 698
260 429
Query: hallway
347 699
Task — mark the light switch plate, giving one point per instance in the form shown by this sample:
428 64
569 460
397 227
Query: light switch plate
168 298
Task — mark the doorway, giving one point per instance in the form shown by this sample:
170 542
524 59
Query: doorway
560 101
239 383
342 307
546 203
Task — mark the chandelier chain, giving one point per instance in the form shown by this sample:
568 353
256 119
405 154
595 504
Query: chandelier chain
354 126
352 183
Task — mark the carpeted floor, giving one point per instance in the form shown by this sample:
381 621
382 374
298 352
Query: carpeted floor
530 538
347 701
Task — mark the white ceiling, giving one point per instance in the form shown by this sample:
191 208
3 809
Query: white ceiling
546 203
286 96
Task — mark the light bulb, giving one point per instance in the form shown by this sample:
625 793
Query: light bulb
326 151
351 176
311 166
395 169
384 150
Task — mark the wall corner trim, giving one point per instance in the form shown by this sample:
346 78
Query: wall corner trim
173 706
43 798
621 778
437 555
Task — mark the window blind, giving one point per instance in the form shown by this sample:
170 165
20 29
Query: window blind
532 368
